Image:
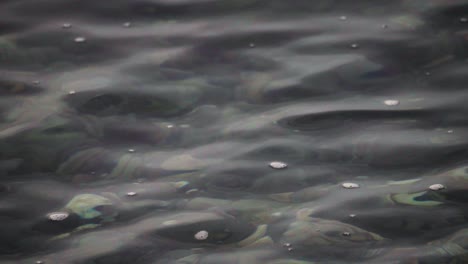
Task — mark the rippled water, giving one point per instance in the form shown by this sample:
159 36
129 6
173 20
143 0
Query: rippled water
233 131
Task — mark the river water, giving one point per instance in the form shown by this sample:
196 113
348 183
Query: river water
233 131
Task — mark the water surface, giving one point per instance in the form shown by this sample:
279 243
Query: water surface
145 131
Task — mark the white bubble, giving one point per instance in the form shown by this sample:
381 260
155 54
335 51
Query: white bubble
437 187
127 24
131 150
343 17
350 185
66 25
277 214
131 193
354 46
80 39
346 234
72 92
252 45
464 19
201 235
450 131
391 102
58 216
278 165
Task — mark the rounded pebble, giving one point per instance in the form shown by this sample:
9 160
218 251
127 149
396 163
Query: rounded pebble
391 102
437 187
57 216
201 235
350 185
278 165
346 234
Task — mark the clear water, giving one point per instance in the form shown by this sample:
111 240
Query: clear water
233 131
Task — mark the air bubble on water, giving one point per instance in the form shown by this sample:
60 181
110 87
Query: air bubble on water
354 46
201 235
277 214
450 131
391 102
127 24
57 216
80 39
170 126
347 234
72 92
343 17
278 165
131 194
131 150
66 25
350 185
464 19
352 215
437 187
